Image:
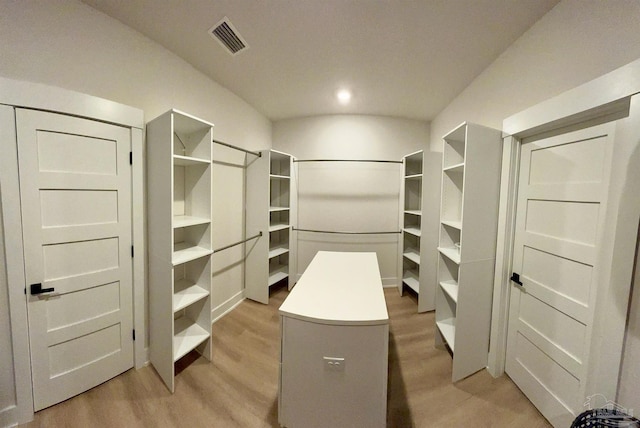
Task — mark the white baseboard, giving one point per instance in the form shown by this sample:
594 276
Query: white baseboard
226 307
9 416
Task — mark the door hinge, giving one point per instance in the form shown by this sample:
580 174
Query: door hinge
134 334
130 158
132 251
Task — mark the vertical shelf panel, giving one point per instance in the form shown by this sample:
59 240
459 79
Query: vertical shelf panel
466 246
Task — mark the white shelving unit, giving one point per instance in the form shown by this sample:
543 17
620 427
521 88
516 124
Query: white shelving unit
270 209
412 258
467 244
179 223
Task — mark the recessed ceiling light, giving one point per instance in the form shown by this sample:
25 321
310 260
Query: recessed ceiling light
344 96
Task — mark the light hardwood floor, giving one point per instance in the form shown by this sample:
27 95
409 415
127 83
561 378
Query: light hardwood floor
239 388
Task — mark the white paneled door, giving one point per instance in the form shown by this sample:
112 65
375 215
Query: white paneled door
75 183
561 204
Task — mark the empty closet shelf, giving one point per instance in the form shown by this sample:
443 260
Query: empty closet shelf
185 252
186 221
447 328
278 274
188 160
411 279
274 227
278 251
187 335
451 288
451 253
415 231
186 293
412 254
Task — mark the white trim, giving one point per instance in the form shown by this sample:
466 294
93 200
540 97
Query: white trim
138 225
603 99
227 306
576 104
506 232
16 279
47 98
50 98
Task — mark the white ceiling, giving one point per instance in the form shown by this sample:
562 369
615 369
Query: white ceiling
406 58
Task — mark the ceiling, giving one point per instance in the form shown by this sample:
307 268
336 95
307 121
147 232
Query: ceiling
406 58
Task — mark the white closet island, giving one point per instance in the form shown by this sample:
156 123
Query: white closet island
334 345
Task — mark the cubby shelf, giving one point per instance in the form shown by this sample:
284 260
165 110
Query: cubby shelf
447 328
451 253
187 336
186 221
466 247
186 293
415 231
185 252
451 288
278 274
189 161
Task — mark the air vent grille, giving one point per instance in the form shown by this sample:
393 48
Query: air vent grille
225 33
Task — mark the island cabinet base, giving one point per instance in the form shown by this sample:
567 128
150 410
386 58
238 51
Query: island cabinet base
332 375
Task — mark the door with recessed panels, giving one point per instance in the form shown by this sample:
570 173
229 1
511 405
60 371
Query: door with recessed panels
75 198
560 219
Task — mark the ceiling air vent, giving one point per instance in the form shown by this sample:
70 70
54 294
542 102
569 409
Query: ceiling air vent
226 34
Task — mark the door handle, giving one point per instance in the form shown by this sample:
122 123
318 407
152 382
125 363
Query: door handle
37 289
515 277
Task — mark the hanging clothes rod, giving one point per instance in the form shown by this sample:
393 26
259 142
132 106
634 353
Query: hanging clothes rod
258 154
347 160
237 243
347 233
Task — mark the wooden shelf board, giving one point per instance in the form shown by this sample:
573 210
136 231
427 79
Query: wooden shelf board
278 274
447 328
456 224
187 335
451 288
185 252
278 226
188 160
411 279
412 254
186 293
413 212
278 251
450 253
186 221
415 231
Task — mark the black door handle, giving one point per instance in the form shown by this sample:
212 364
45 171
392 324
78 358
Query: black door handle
515 277
37 289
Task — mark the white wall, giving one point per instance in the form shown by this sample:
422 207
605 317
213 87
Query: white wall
337 196
574 43
68 44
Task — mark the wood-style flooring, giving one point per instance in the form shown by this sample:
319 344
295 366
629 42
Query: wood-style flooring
239 387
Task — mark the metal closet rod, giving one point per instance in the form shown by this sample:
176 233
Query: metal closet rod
348 233
347 160
238 243
231 146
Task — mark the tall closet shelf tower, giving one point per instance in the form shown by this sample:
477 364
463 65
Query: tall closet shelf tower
467 244
270 210
411 221
179 185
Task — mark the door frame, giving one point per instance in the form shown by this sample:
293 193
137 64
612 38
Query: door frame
610 97
19 94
